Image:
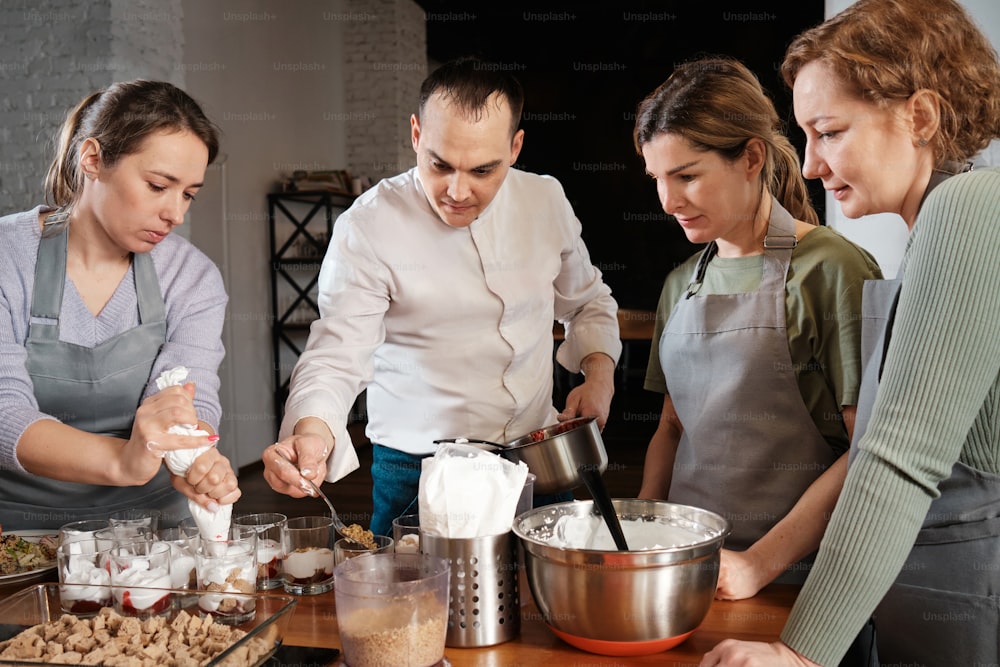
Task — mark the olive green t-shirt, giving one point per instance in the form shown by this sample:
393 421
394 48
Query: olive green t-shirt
823 315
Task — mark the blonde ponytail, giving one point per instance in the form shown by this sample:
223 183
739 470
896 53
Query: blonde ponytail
719 105
785 180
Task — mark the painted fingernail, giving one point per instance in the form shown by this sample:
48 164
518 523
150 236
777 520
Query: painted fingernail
213 438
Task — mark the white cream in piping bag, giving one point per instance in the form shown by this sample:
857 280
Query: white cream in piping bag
213 526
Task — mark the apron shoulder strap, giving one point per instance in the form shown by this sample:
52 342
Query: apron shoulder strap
147 289
50 281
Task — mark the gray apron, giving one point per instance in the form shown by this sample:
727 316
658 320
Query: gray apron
749 448
93 389
942 610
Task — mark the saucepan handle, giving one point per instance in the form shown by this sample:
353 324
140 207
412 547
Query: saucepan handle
481 444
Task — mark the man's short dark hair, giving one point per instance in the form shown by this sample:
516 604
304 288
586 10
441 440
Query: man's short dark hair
469 82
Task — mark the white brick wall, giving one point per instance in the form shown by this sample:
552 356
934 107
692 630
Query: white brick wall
53 56
385 52
147 40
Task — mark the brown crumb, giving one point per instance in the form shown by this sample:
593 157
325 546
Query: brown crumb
361 536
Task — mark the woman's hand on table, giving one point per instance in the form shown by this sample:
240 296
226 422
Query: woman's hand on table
735 653
143 453
741 575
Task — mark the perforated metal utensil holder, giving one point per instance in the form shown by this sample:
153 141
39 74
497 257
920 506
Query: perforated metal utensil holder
484 604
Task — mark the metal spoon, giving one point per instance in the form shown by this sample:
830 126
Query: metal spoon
312 489
595 484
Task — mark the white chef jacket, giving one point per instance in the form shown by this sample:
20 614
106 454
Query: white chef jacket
450 330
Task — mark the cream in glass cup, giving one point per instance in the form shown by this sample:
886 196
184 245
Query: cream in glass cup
84 575
140 577
228 572
308 565
270 530
345 548
406 533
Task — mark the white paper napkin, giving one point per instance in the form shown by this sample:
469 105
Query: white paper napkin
213 526
468 492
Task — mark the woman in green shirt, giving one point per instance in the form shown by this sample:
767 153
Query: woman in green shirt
758 336
895 96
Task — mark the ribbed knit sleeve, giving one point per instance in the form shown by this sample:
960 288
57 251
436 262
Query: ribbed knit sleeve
942 365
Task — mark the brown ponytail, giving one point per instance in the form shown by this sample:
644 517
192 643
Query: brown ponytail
719 105
63 179
120 118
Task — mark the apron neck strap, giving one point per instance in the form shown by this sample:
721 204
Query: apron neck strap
50 279
147 289
50 282
779 242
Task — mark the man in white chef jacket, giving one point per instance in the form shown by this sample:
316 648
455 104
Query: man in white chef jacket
438 294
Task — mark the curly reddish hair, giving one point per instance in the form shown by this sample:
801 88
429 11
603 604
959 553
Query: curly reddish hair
885 50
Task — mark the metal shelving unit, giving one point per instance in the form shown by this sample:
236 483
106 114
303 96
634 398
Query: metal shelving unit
301 224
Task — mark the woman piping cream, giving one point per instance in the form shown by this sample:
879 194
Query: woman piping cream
758 335
98 299
895 97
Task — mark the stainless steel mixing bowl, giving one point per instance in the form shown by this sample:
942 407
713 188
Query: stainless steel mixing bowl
615 598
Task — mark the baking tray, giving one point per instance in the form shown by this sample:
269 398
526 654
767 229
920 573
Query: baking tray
41 604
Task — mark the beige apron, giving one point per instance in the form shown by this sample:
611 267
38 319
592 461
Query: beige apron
750 447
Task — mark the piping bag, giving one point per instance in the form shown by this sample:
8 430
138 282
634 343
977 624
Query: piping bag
213 526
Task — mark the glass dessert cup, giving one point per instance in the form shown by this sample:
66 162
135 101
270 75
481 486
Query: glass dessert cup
271 548
85 576
140 578
227 575
307 568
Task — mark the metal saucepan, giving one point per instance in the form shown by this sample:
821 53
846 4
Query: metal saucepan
554 453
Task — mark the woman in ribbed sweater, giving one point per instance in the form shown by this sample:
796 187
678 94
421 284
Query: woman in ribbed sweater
895 97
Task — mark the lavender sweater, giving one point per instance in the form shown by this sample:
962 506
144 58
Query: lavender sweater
195 300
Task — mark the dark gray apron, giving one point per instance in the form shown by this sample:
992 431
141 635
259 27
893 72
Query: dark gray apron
93 389
942 609
750 447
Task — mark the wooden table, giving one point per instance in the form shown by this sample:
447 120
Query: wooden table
314 623
759 618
